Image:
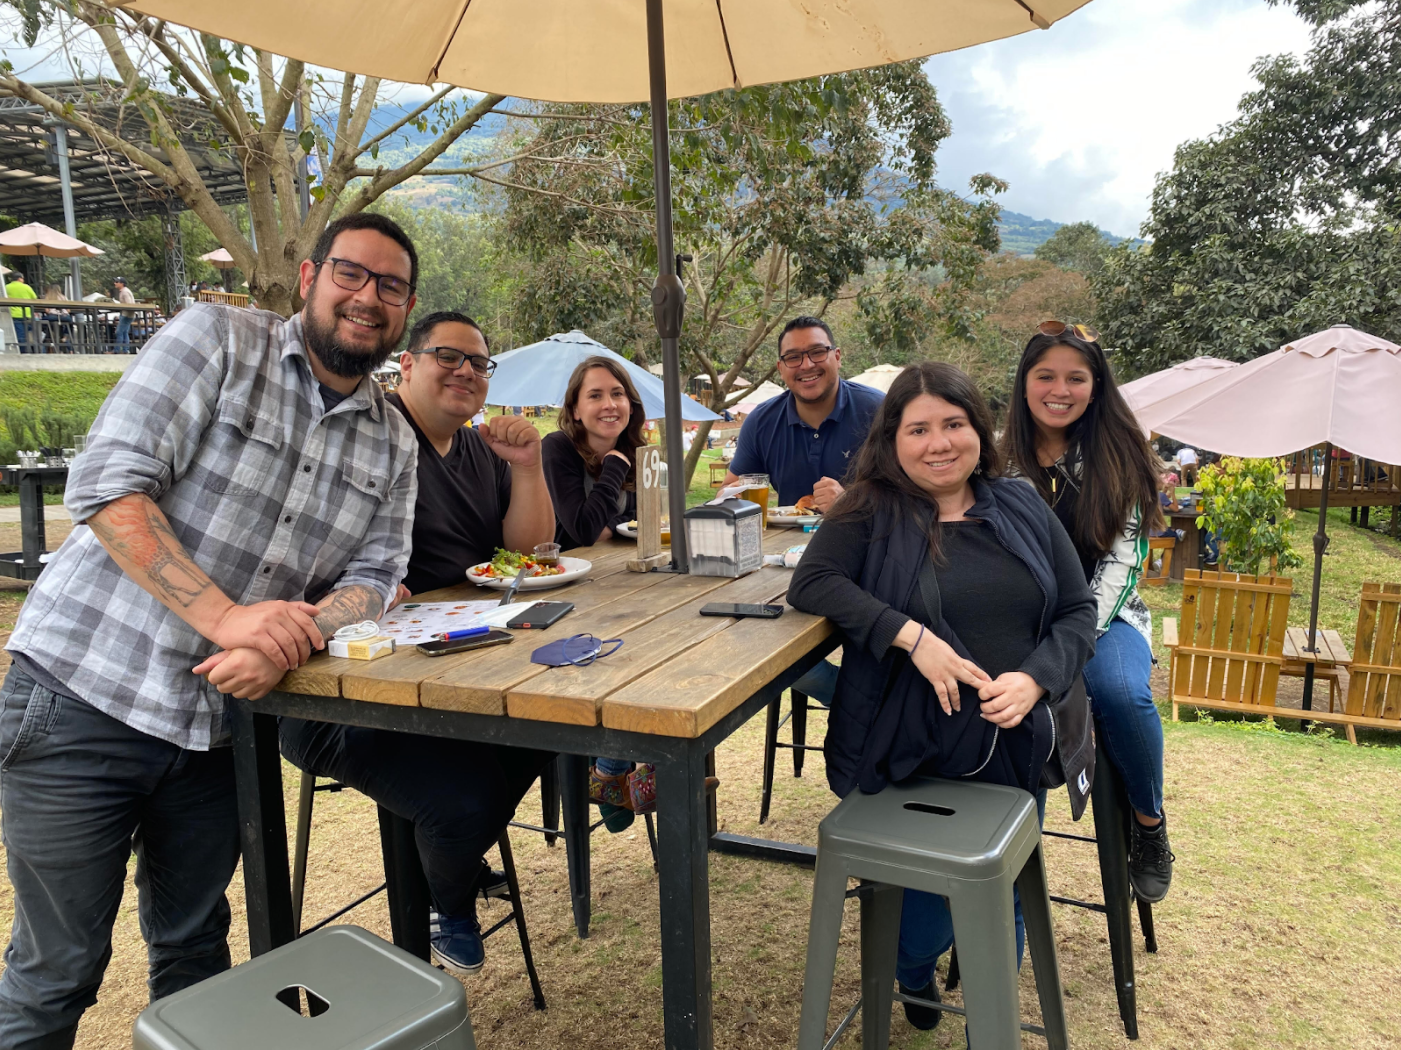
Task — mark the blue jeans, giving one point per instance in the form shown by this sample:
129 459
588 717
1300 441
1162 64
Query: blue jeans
459 794
21 334
124 333
1122 700
80 790
926 928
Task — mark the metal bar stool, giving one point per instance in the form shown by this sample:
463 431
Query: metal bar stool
968 842
407 889
798 715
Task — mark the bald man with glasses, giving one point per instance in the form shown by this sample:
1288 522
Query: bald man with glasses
478 489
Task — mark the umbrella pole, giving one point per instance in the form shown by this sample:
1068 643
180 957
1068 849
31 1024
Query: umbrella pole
668 294
1320 544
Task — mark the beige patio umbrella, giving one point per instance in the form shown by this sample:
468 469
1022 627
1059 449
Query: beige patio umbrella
615 51
37 239
878 377
1337 387
219 257
765 391
1147 392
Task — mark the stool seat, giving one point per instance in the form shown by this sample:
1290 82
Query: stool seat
341 988
957 829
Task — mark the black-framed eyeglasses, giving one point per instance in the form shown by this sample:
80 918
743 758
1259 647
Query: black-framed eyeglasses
394 291
815 354
452 359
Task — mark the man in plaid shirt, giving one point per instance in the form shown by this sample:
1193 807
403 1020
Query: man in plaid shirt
244 468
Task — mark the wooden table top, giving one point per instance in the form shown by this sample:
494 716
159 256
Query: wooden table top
1331 649
677 674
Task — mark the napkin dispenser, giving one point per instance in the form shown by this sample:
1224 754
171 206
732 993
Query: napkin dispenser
725 538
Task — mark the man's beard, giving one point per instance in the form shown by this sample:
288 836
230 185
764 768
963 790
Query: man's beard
339 360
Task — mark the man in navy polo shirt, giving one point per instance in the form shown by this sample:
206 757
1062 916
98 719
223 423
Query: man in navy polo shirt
805 440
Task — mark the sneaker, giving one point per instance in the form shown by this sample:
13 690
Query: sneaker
457 944
615 818
924 1018
492 883
1150 861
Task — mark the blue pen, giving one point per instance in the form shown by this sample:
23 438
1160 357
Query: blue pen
470 632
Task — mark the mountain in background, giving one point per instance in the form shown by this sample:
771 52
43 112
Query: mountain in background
1022 235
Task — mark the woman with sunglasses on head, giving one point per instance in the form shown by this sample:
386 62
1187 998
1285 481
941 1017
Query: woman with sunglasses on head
966 622
589 467
589 460
1070 432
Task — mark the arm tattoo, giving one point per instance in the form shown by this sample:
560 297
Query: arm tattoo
346 606
134 528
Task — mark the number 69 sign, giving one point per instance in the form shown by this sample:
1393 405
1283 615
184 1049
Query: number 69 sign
649 510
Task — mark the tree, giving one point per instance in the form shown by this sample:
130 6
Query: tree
1286 221
787 198
1077 246
248 99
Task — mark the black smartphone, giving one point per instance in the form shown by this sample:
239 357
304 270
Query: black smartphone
462 645
540 616
760 612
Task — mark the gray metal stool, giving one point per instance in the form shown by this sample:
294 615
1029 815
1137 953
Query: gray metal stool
341 988
968 842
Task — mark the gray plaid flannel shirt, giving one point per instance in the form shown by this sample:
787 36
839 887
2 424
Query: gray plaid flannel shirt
220 421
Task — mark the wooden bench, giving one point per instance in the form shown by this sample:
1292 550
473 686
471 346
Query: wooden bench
1330 663
1166 545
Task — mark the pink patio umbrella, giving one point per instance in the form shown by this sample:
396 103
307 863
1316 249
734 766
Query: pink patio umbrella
1337 387
37 239
1145 393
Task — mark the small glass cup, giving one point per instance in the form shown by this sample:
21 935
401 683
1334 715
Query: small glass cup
547 555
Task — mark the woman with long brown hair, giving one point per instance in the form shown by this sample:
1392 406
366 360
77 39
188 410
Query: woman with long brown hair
1072 435
589 461
965 618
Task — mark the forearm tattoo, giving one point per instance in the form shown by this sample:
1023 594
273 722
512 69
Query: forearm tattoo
346 606
134 529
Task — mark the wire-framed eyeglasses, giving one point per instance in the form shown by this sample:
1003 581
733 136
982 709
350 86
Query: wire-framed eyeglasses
452 359
393 291
815 354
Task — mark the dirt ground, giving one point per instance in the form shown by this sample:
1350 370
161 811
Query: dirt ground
1281 929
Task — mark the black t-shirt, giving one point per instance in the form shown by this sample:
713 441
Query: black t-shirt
462 500
973 567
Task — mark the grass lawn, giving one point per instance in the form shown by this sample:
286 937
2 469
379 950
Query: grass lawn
1281 930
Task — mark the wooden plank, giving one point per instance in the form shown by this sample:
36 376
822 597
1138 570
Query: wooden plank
1274 647
396 679
689 694
1201 638
1317 715
575 694
1170 632
481 686
1236 679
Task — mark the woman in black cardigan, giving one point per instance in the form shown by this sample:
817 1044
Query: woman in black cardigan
967 623
589 460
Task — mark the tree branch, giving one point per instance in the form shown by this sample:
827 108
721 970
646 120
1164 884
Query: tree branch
433 100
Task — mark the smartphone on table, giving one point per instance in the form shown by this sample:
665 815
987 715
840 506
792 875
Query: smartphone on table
759 612
540 615
462 645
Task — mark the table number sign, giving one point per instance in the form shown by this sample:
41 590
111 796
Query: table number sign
649 511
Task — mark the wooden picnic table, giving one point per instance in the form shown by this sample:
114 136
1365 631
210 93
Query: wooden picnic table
1188 552
1331 662
677 688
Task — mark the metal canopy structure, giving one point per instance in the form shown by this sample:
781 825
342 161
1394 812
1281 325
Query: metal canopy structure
105 184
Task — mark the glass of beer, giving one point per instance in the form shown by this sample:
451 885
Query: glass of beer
756 490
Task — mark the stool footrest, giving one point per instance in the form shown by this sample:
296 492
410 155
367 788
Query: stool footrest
901 997
1089 905
845 1024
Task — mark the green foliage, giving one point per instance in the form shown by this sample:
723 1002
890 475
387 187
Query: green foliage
1076 246
1243 500
48 409
1285 222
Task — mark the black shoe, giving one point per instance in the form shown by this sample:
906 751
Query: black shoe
1150 861
924 1018
491 883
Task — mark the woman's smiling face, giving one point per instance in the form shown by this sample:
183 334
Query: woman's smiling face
603 406
1059 387
936 445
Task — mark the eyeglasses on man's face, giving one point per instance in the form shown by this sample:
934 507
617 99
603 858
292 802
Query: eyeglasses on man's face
816 354
452 359
393 291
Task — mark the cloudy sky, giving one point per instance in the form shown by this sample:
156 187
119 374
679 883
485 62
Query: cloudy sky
1080 118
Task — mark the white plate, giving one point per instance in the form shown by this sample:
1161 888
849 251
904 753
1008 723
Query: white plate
626 531
574 568
792 521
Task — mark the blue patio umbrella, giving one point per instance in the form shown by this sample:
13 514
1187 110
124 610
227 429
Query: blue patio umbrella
538 374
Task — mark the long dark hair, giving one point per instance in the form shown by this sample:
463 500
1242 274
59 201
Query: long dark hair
1117 468
629 441
879 482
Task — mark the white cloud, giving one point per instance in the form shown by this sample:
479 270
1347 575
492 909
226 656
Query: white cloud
1080 118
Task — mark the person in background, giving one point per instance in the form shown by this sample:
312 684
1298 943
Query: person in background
966 622
478 489
60 332
1070 432
243 467
590 463
18 288
804 439
124 318
1187 460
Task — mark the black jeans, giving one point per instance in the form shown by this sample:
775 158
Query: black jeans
80 790
459 794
